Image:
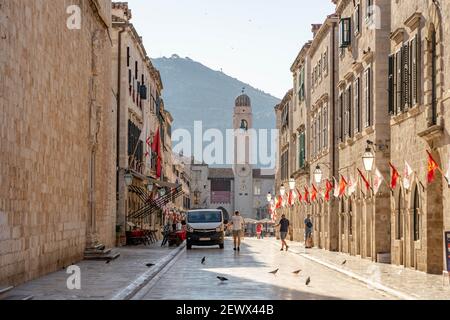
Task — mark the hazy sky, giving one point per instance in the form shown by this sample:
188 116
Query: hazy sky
255 41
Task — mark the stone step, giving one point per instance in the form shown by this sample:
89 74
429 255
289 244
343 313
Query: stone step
102 255
17 298
4 290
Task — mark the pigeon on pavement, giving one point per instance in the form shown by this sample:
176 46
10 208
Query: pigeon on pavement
149 265
274 271
345 261
203 260
222 279
297 272
308 281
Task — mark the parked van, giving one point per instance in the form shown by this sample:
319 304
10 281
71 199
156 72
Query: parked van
205 228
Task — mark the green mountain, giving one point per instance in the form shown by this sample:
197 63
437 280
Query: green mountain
195 92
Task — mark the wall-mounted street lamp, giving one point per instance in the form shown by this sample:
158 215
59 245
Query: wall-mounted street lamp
318 174
128 178
269 197
368 159
282 190
292 184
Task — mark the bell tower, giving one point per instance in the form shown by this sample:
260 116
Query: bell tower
243 171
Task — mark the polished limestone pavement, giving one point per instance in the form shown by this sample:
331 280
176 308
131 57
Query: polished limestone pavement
249 277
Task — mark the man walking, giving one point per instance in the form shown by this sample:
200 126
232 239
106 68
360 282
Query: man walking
284 229
308 232
238 226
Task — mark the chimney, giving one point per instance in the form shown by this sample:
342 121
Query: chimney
315 28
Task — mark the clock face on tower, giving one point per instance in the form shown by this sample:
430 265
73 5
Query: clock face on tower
243 171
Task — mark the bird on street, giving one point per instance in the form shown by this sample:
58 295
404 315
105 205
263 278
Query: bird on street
203 260
308 281
274 272
297 272
345 261
222 279
149 265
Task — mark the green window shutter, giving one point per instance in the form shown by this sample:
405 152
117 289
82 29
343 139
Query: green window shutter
391 90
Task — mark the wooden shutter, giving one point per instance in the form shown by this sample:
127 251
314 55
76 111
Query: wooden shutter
349 111
398 82
357 106
406 77
415 69
368 97
391 89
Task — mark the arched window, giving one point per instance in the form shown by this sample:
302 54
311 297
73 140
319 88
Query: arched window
398 218
416 215
433 53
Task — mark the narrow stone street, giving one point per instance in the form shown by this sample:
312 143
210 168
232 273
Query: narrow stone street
249 277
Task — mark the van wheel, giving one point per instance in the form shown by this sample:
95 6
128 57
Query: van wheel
221 246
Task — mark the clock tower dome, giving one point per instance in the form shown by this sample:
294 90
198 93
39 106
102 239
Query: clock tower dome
243 171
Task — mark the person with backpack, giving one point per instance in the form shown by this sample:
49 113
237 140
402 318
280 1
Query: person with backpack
308 232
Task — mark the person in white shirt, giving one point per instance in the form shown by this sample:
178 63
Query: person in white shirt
238 225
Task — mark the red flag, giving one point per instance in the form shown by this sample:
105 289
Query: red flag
432 167
394 177
156 148
307 195
279 202
342 186
291 198
314 193
328 188
300 196
366 182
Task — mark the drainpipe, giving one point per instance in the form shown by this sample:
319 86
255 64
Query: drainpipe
119 97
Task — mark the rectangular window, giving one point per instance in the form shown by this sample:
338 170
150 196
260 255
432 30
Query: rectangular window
257 188
345 33
397 82
391 89
325 127
369 9
357 19
128 56
368 97
348 128
319 133
341 117
302 151
302 84
325 63
357 105
136 70
406 77
415 69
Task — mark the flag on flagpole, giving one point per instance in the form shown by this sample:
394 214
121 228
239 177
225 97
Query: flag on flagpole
314 193
342 186
377 181
447 174
336 188
279 202
432 167
307 195
328 188
394 176
291 198
300 196
407 173
366 182
156 148
352 185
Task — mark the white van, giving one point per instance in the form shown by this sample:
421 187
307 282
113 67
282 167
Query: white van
205 228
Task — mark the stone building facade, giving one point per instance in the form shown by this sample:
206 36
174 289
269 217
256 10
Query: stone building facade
323 152
57 135
364 227
141 119
418 106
